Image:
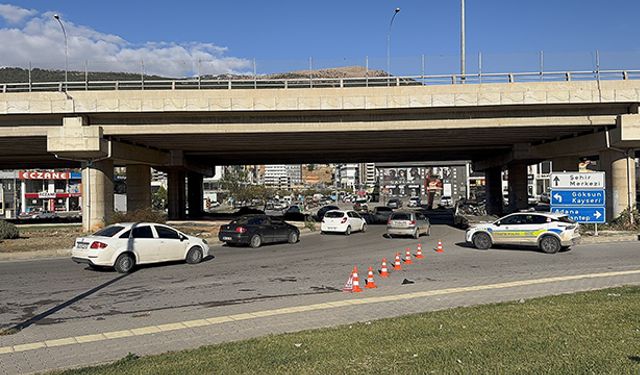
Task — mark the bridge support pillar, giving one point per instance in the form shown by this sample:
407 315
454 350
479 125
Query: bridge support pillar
97 195
138 187
620 178
518 186
565 164
195 194
176 194
493 180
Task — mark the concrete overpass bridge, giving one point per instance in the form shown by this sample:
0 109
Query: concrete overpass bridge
187 131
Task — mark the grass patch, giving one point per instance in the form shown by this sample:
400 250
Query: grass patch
584 333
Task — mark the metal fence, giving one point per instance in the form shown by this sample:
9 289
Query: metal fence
317 73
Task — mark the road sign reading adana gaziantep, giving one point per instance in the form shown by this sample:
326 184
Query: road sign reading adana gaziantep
581 196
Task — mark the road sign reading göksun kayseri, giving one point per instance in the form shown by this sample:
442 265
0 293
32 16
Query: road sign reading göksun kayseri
581 196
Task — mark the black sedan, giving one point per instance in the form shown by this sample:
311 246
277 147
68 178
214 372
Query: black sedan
254 230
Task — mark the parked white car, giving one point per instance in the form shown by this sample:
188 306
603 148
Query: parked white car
342 222
125 245
550 232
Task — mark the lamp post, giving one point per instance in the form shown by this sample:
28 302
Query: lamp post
66 52
462 42
395 12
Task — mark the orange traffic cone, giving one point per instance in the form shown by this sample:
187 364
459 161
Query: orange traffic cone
353 284
384 272
407 257
419 252
356 280
396 264
439 249
370 282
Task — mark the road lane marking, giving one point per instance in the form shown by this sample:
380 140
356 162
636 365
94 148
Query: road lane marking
143 331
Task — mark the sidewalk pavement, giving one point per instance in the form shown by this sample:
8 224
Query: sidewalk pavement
84 343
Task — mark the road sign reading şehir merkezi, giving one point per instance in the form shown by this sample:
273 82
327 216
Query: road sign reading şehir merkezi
581 196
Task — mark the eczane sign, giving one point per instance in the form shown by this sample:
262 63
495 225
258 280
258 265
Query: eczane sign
43 175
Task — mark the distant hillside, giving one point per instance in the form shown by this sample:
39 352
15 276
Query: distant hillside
20 75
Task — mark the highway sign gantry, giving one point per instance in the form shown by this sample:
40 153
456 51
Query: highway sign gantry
580 195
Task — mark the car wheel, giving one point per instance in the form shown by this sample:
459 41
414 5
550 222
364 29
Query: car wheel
416 233
293 237
194 256
348 231
482 241
124 263
550 245
256 241
364 227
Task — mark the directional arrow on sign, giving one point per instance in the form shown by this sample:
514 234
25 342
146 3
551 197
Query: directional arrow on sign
558 197
597 214
556 180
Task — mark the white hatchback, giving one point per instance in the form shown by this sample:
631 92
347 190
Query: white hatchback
342 222
124 245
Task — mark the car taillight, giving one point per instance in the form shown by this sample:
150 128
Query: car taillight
241 230
413 222
389 221
98 245
344 220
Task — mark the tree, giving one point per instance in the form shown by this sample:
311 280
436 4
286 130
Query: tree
159 199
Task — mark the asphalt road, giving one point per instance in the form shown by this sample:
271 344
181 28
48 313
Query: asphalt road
56 292
73 305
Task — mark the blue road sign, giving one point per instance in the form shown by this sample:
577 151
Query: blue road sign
593 215
580 197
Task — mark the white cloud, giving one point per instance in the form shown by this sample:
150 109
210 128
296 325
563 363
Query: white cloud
13 14
40 42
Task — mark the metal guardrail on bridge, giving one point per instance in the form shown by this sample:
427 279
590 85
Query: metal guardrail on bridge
296 83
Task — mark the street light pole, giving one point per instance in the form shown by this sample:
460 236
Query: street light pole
66 52
462 42
395 12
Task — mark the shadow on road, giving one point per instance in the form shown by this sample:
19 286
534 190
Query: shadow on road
53 310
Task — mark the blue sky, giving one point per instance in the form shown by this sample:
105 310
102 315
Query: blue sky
277 33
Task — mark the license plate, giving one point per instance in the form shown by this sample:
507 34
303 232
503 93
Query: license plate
331 228
82 245
226 238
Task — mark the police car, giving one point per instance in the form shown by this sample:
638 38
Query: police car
548 231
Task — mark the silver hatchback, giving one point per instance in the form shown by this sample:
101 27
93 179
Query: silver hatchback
407 223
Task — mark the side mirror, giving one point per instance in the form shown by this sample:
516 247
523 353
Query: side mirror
497 223
183 238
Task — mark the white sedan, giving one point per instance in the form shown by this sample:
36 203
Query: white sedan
124 245
342 222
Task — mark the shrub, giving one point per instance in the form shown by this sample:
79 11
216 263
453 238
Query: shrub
137 216
8 231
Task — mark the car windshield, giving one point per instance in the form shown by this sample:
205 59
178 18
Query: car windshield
401 216
109 231
250 220
566 219
386 209
334 214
